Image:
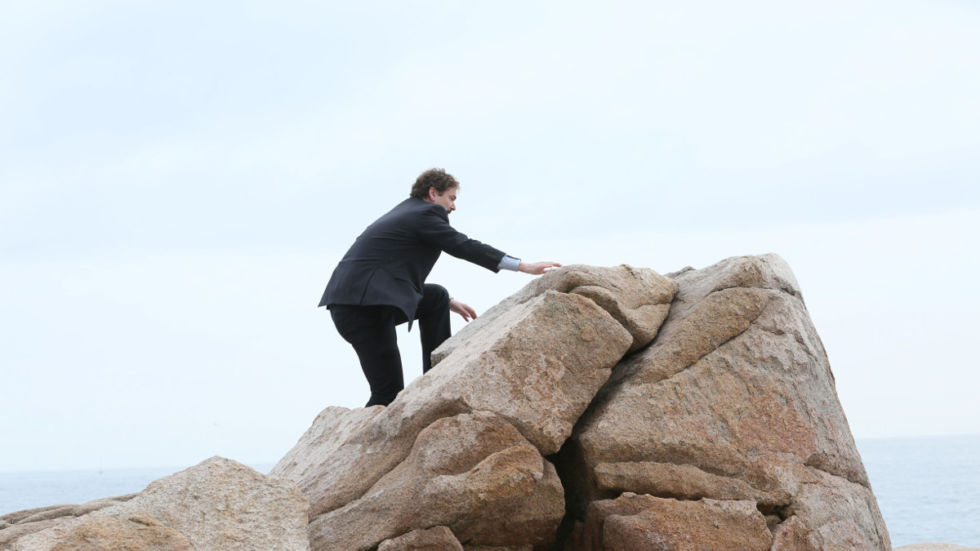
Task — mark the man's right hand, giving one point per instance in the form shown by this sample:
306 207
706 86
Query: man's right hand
537 268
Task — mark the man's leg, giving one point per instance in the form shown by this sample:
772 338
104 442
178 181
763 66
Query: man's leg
433 316
371 331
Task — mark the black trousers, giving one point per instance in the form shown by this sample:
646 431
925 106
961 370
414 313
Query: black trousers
371 331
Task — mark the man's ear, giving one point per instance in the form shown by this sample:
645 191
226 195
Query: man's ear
433 194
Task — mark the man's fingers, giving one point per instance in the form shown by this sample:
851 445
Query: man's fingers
539 268
464 310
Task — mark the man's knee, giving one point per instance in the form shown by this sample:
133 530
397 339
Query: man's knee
437 294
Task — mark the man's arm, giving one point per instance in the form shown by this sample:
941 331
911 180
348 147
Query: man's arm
434 229
506 263
534 268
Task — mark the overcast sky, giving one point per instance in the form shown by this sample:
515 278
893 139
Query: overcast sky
178 180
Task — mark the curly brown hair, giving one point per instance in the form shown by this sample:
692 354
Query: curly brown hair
434 177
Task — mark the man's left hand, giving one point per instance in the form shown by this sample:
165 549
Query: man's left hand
464 310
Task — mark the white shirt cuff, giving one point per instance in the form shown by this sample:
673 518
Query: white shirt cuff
509 263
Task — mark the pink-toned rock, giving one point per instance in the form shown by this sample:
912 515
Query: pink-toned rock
217 505
60 511
473 473
135 533
791 535
638 298
438 538
537 366
18 524
634 522
498 547
833 513
11 533
733 400
329 431
677 481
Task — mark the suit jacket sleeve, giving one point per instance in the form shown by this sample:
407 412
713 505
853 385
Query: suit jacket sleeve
436 231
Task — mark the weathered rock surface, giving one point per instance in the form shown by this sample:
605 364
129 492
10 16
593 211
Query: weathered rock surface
529 372
438 538
216 505
642 522
305 462
16 525
734 400
135 533
470 472
638 298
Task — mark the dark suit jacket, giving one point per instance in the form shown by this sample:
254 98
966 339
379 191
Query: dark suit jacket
389 262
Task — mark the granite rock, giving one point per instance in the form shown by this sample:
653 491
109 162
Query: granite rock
634 522
217 505
133 533
437 538
474 473
535 368
638 298
18 524
734 400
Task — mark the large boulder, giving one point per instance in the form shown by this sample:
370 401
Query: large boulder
134 533
533 365
473 473
18 524
218 505
634 522
734 400
638 298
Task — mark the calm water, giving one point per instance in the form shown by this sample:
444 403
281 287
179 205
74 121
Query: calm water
928 488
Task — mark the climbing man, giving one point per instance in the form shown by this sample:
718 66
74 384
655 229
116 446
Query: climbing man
380 282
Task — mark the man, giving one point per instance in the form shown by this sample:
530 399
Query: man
380 282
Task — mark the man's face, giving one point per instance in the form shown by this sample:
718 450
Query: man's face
446 199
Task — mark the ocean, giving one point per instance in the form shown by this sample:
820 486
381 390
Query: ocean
928 488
